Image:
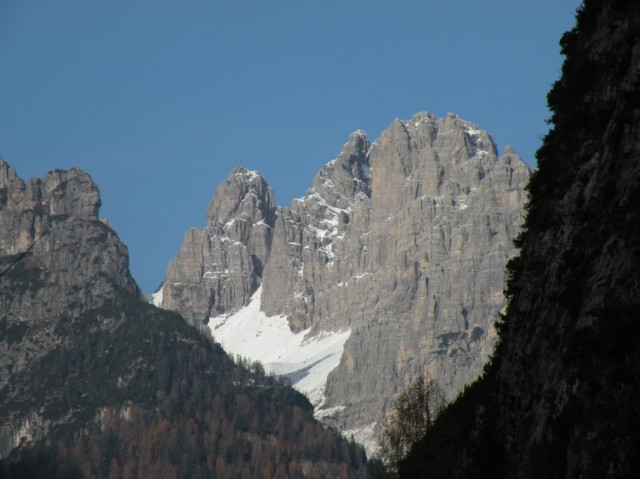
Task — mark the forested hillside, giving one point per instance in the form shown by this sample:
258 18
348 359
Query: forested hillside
94 382
560 397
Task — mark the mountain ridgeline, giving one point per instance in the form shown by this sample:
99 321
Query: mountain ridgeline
560 398
391 267
399 246
95 382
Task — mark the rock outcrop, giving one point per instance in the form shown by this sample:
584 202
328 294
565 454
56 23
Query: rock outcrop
560 398
307 237
52 225
57 262
403 242
218 268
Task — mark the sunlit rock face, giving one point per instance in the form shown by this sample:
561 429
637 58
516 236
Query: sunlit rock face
52 224
403 242
219 267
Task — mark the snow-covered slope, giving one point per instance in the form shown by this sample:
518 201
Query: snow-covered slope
156 298
307 361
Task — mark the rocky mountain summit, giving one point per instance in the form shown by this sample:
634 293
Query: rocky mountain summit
95 382
399 246
218 269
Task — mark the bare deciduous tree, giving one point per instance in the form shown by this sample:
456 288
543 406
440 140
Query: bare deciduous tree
416 409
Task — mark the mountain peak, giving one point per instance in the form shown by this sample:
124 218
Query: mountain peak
248 176
348 174
63 192
508 150
71 192
402 242
219 267
357 140
244 194
30 208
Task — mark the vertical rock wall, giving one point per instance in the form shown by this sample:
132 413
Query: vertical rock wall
219 267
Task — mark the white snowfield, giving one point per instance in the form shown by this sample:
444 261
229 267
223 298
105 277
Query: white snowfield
156 298
306 361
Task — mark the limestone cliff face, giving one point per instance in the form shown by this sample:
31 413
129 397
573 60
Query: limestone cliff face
57 261
417 276
53 223
218 268
561 397
303 268
403 242
26 206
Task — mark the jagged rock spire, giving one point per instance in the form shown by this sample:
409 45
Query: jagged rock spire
220 267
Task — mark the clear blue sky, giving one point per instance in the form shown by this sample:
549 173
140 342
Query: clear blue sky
157 100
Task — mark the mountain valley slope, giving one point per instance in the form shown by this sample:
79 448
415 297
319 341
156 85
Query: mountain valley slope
95 382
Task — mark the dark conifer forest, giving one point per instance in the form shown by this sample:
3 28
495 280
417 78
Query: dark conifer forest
171 404
559 398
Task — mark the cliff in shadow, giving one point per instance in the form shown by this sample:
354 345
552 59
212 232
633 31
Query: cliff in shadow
560 397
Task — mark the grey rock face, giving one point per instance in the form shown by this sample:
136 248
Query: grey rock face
302 257
419 279
25 205
52 225
218 268
403 242
59 214
57 260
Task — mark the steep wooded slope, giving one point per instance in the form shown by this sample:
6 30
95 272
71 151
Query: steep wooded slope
561 396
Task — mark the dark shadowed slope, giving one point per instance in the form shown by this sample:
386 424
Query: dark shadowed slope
560 398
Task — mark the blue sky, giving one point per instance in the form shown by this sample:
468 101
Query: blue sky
158 100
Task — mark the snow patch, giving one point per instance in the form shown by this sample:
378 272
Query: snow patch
262 223
328 412
319 199
365 435
156 298
460 202
307 361
328 183
249 174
